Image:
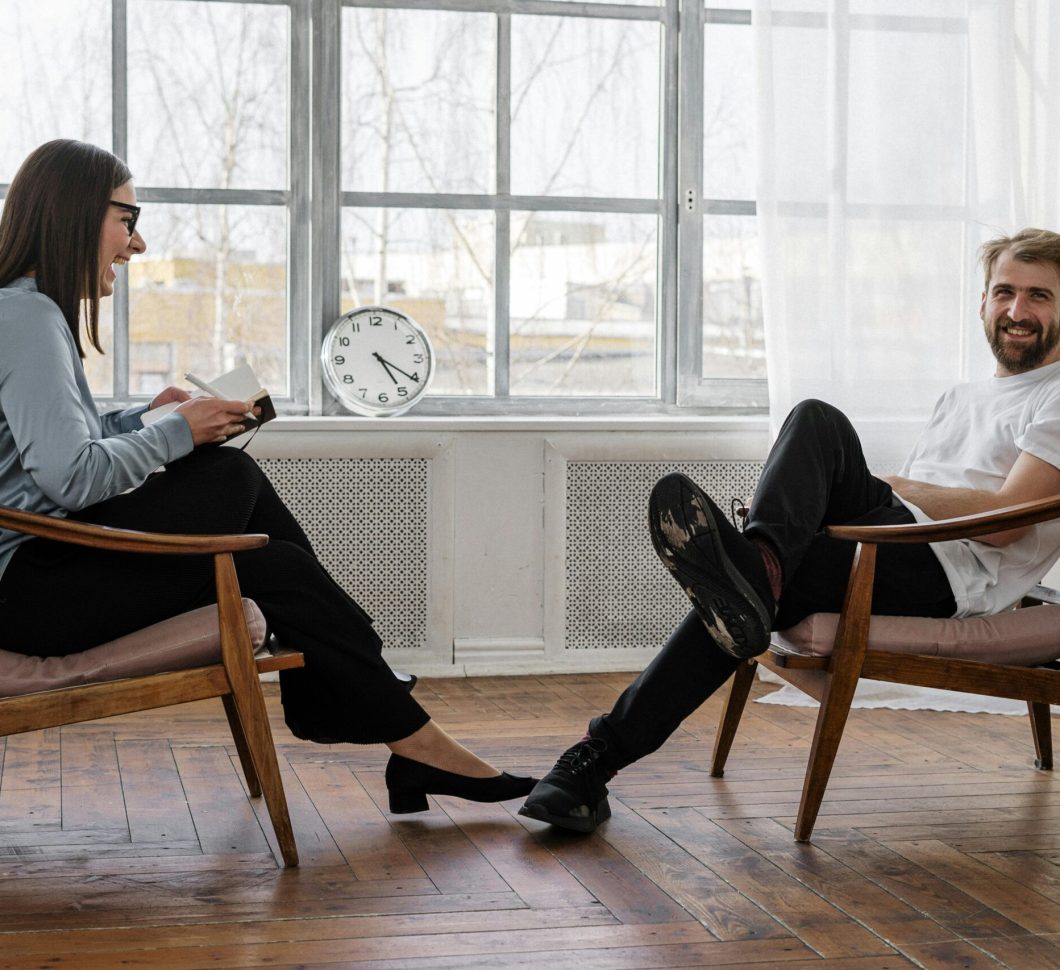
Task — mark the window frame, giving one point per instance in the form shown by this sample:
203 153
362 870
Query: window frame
314 199
502 203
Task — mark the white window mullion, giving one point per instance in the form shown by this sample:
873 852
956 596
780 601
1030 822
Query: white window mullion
302 328
667 369
120 141
689 206
500 343
326 211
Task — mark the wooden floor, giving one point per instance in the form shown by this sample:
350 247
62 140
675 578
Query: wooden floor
131 843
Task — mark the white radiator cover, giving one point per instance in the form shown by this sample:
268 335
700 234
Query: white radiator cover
502 548
368 521
619 596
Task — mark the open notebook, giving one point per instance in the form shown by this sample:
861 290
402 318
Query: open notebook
240 384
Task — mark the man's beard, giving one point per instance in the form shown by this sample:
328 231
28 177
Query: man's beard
1020 359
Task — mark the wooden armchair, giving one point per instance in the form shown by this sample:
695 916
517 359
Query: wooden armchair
1028 636
230 672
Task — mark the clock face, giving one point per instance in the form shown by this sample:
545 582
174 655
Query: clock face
377 361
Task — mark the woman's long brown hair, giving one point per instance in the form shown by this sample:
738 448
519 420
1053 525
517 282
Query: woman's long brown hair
52 218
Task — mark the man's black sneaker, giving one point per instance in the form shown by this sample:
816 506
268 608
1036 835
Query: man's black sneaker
573 795
720 570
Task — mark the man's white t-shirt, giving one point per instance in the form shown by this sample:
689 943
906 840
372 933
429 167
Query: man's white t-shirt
972 441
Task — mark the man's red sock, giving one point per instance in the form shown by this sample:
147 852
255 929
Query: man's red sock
772 563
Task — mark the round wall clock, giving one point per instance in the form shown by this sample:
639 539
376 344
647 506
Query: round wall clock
377 361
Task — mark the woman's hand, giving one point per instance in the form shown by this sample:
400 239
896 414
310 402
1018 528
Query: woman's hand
212 419
169 394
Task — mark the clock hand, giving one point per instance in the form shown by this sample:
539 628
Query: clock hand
386 366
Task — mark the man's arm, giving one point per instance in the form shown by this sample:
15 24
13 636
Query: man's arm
1030 479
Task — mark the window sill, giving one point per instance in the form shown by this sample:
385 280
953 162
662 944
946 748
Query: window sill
438 424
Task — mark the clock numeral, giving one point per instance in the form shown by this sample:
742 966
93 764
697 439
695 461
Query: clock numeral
364 391
347 378
339 359
417 358
410 338
355 326
402 392
375 321
344 341
415 375
383 398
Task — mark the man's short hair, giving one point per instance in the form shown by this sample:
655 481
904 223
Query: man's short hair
1027 245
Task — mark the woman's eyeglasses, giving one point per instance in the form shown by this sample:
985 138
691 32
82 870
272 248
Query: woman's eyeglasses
134 209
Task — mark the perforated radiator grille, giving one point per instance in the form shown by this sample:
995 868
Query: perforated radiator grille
618 593
367 520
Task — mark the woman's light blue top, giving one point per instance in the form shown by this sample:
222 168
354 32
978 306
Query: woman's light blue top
57 453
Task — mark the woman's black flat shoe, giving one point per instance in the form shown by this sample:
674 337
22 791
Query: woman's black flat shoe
410 782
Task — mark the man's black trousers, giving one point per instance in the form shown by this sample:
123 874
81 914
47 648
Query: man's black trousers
815 476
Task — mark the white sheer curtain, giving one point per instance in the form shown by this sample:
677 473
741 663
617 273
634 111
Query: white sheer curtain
894 137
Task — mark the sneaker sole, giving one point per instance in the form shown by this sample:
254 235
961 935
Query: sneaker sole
679 520
587 824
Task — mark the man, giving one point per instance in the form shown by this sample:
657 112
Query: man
988 444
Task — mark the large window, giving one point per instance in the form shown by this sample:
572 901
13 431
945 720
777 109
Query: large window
560 193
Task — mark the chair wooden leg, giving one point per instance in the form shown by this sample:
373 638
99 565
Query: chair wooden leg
739 688
253 785
848 656
1042 729
238 656
831 719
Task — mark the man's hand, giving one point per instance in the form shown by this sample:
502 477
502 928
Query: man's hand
1029 480
212 419
169 394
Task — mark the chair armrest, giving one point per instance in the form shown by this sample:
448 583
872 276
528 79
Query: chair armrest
124 540
1042 595
961 527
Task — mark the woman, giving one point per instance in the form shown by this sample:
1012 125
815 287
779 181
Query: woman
69 219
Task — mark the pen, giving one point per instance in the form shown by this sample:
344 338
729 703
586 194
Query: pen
211 390
203 386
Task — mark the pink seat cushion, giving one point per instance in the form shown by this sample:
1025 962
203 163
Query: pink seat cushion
189 640
1023 637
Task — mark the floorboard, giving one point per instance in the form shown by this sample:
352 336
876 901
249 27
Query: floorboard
131 842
